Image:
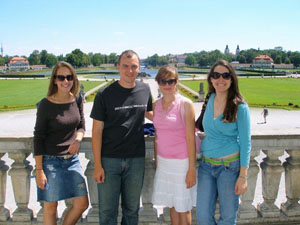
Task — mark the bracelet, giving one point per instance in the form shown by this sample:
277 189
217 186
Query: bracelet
243 177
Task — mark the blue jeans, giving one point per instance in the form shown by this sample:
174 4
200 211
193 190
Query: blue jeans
217 182
122 177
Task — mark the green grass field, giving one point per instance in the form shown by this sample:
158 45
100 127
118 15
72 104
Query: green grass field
273 92
24 94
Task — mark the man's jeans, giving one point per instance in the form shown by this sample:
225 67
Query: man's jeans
125 177
217 182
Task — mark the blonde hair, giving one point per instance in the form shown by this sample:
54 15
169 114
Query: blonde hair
52 89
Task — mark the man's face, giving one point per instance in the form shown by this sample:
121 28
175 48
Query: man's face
129 69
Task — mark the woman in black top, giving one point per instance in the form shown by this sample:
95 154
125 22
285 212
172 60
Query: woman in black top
58 132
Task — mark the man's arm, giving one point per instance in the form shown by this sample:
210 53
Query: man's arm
97 131
149 115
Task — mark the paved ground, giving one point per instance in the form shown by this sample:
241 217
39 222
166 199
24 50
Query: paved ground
21 123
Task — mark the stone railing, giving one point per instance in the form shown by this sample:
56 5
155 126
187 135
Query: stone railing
272 157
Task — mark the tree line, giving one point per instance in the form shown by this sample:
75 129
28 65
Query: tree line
77 58
204 58
207 58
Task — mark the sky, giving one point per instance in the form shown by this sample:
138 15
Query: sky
147 26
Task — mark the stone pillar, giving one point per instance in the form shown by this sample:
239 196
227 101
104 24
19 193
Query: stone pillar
20 176
93 214
246 209
201 92
4 213
40 214
271 173
148 213
292 183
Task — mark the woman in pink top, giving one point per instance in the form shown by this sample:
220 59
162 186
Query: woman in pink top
175 177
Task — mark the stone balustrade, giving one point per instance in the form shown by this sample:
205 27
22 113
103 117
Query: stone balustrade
273 157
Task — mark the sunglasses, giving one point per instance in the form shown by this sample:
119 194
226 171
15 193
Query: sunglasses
216 75
165 82
62 77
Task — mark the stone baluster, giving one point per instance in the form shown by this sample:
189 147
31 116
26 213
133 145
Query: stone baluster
20 176
246 209
271 174
292 183
148 213
93 214
4 213
40 214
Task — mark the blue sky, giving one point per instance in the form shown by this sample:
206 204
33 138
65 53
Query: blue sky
147 26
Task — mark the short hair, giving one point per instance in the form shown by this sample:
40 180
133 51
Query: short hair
165 72
52 89
128 54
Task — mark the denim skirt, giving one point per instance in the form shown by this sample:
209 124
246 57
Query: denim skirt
65 179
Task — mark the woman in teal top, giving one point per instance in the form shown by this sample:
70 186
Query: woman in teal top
222 173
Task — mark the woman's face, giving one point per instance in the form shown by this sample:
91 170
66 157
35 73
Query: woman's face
221 79
64 80
168 85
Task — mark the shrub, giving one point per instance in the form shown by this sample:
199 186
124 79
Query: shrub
296 106
290 104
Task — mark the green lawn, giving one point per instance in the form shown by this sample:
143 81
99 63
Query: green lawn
17 94
274 92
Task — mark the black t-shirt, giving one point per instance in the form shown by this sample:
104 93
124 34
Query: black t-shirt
123 111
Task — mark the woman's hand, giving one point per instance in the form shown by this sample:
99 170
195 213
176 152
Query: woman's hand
41 179
241 186
190 179
74 148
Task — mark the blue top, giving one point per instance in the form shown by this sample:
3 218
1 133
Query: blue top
224 139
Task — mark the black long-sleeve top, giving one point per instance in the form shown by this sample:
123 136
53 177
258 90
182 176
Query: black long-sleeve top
56 126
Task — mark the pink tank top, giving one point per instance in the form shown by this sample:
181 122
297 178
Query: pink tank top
170 130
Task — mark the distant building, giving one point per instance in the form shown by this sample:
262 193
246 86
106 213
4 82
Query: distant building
262 61
226 52
2 69
181 58
38 67
237 51
18 63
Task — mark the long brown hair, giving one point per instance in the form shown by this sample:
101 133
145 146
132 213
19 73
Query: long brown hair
234 97
52 89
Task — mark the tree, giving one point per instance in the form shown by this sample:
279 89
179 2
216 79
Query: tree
163 60
2 61
278 60
287 60
190 60
43 56
60 58
34 58
96 59
77 58
113 58
51 60
241 58
295 58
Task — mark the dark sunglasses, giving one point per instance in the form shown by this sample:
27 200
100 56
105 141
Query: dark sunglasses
216 75
62 77
165 82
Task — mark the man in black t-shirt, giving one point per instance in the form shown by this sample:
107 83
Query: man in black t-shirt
118 142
